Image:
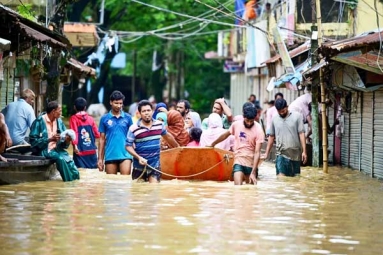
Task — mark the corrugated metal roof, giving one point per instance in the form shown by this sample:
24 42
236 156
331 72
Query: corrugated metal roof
354 42
316 67
371 61
33 29
293 53
38 36
81 67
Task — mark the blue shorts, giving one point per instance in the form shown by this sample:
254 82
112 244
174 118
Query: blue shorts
149 172
287 167
246 170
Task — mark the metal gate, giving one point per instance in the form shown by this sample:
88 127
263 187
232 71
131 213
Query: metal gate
345 140
367 133
241 87
355 131
378 134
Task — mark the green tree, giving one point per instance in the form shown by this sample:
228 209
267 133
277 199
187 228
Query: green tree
203 79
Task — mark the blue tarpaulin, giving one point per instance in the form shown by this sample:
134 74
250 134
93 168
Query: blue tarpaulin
239 8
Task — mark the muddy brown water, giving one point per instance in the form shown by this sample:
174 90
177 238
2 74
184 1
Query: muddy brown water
316 213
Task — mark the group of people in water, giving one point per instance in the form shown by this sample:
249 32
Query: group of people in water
132 144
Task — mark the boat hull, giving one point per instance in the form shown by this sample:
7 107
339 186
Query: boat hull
191 161
25 168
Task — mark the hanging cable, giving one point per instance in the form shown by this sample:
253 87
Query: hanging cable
186 15
233 15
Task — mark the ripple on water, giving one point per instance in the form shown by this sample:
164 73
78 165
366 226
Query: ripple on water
316 213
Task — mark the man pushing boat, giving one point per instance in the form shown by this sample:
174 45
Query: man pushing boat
146 135
249 137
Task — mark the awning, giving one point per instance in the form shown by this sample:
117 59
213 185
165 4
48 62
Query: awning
80 67
292 81
371 61
38 36
292 53
315 68
362 40
11 20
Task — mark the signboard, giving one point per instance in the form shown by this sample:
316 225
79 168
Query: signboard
286 60
233 67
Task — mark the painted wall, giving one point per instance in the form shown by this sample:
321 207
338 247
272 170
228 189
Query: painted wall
366 16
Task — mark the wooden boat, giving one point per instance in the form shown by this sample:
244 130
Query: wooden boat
216 164
26 168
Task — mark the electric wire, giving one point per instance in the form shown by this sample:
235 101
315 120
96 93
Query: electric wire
233 15
186 15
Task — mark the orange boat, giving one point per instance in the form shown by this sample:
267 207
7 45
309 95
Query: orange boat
197 163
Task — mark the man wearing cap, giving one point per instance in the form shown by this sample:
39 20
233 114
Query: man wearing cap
289 132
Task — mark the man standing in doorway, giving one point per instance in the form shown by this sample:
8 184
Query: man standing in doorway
146 135
19 116
113 129
289 132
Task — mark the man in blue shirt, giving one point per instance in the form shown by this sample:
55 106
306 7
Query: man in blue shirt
146 135
114 128
19 116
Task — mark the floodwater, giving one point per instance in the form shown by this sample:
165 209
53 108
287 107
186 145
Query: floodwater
337 213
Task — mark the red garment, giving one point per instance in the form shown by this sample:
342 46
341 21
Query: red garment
82 119
176 127
193 144
250 10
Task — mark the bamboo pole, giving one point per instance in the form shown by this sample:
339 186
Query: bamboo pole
323 92
324 122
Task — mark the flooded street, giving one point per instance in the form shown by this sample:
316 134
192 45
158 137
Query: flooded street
338 213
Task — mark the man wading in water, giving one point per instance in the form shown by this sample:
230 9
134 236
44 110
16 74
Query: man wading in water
289 132
249 137
146 135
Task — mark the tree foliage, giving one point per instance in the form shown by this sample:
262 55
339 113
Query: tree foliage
204 79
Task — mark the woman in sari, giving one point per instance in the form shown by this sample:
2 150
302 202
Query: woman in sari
176 128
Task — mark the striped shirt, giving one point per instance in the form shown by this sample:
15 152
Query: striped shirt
146 142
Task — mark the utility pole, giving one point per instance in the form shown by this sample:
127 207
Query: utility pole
314 89
323 93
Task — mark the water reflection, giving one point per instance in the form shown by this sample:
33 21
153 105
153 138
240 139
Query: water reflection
312 214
